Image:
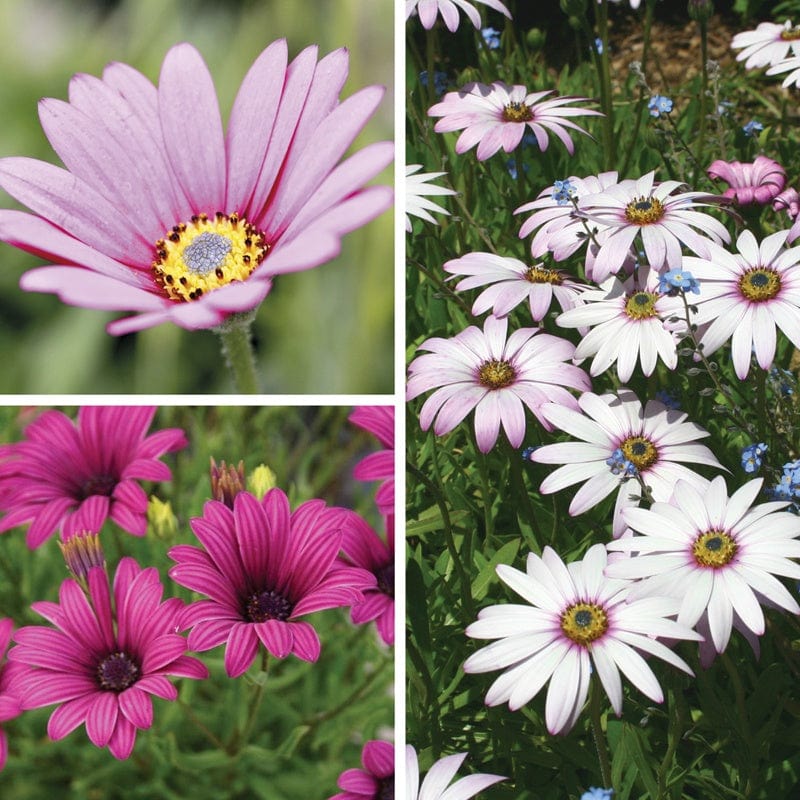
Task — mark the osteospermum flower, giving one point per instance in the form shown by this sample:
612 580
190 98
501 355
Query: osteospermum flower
511 282
429 9
758 182
768 44
745 296
436 784
10 705
264 567
73 476
662 220
630 323
578 623
379 421
105 656
495 376
161 212
790 65
418 189
614 429
717 555
497 115
375 781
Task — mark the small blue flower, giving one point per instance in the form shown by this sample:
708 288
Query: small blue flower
598 46
678 279
597 794
511 166
668 399
724 108
439 81
563 192
788 487
621 466
528 452
751 457
491 37
753 128
529 140
659 105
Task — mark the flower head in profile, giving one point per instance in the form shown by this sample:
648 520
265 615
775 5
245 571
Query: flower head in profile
72 476
379 421
448 9
758 182
418 189
767 45
436 784
161 212
10 705
375 781
717 555
789 201
496 376
104 657
575 622
263 567
497 115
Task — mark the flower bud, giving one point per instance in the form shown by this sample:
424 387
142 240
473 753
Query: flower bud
701 10
261 480
226 482
160 519
81 552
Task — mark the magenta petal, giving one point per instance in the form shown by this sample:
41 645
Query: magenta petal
378 758
68 716
209 633
137 706
121 743
358 782
89 516
101 717
241 649
159 686
188 667
306 642
276 637
162 651
146 469
47 520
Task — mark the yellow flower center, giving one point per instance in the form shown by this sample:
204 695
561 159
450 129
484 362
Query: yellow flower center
759 284
641 305
714 549
584 622
791 34
517 112
540 274
496 374
644 210
205 253
641 452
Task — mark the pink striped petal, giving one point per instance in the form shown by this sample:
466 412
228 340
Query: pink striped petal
241 649
101 718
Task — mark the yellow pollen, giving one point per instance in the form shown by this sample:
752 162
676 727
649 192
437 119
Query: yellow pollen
759 284
584 622
791 34
714 549
496 374
641 452
540 274
205 253
644 210
641 305
517 112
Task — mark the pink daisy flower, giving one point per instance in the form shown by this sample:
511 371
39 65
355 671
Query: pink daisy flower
73 476
379 421
105 656
162 213
746 296
717 555
621 443
495 376
511 282
10 705
418 189
789 201
428 10
436 785
768 44
758 182
577 622
375 781
498 115
264 567
662 221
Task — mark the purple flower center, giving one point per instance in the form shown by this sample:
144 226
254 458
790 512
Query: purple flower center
265 605
385 788
98 484
117 672
385 578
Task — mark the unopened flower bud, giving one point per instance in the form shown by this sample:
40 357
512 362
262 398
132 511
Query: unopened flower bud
81 552
261 480
226 482
701 10
160 519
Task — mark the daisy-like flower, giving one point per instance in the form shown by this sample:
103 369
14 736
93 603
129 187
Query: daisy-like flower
105 656
436 784
162 213
615 428
418 189
379 421
768 44
630 323
429 9
264 567
789 201
375 781
73 476
497 115
511 282
578 622
661 220
746 295
790 65
717 555
758 182
495 376
10 705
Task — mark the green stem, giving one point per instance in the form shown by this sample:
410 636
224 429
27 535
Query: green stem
238 351
597 733
240 740
518 481
195 720
703 92
606 97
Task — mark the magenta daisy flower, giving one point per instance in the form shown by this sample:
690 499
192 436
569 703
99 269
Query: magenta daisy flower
379 421
662 220
10 705
577 622
717 555
428 10
498 115
105 656
621 443
758 182
73 476
162 213
511 282
436 785
746 296
375 781
495 376
768 44
264 567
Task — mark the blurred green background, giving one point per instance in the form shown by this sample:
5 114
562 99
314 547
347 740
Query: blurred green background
324 331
